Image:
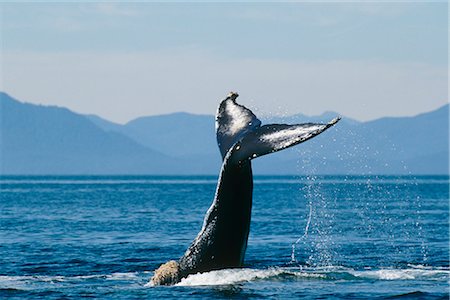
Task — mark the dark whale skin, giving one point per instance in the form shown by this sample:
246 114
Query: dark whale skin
223 239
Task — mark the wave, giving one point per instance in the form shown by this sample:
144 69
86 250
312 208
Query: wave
233 276
236 276
28 282
413 273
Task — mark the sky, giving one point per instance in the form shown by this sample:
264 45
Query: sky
364 60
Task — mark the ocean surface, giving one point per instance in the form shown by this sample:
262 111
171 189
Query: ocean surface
317 237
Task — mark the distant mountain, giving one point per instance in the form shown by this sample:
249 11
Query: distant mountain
189 137
104 124
39 139
48 140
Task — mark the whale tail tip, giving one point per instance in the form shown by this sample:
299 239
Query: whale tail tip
335 120
232 95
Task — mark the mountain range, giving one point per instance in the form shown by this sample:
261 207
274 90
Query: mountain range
37 139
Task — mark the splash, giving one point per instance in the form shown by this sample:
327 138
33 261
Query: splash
305 234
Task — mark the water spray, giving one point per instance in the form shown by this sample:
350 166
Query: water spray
305 234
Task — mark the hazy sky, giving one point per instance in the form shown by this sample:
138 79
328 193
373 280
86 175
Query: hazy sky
122 61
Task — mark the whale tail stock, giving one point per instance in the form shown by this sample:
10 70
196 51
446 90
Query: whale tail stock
240 131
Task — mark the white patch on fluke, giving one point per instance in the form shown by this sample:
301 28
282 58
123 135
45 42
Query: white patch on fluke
283 138
241 119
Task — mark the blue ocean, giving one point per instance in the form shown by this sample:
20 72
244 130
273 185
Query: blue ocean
312 237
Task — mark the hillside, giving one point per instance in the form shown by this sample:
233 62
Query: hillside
53 140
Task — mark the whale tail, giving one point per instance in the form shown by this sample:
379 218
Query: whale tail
240 132
222 241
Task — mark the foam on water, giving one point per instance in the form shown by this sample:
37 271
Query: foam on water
233 276
121 276
403 274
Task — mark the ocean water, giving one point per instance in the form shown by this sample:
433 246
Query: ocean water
351 237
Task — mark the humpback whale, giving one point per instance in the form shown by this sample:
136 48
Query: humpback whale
222 240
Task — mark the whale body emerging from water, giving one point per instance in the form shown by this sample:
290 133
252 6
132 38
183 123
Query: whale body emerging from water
222 241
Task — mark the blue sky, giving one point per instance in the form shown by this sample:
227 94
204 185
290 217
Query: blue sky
121 61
